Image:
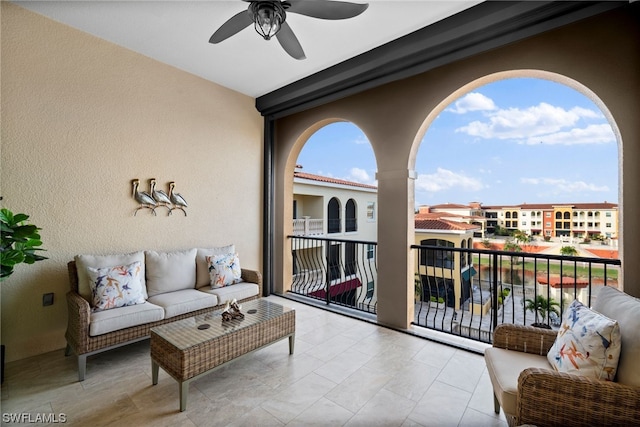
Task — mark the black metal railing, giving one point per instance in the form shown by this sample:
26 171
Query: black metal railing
335 271
464 292
486 287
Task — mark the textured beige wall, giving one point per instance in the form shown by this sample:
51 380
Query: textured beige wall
80 119
601 54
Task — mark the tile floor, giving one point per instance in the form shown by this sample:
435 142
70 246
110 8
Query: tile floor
344 372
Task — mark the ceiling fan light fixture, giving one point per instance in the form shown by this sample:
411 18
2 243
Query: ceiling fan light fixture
267 17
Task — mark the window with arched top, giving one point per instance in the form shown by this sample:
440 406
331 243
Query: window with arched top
350 216
507 215
333 216
558 215
567 215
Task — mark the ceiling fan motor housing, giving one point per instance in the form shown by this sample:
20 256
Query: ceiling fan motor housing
268 16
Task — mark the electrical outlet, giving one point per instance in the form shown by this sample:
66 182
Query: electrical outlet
47 299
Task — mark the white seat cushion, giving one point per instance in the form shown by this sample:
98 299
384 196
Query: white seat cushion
504 367
102 322
184 301
238 291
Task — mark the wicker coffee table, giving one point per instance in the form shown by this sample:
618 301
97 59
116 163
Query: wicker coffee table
190 348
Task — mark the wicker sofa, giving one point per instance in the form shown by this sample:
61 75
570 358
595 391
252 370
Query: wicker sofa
531 392
176 285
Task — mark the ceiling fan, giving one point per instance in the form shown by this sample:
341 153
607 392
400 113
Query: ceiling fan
269 19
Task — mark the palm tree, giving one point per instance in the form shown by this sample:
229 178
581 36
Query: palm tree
568 251
542 306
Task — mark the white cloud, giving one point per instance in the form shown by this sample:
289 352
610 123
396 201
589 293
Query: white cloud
444 179
592 134
560 185
528 124
361 140
473 101
361 176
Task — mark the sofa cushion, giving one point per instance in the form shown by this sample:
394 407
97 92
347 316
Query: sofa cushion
102 322
224 270
184 301
114 287
98 261
202 266
504 367
238 291
170 271
588 344
626 310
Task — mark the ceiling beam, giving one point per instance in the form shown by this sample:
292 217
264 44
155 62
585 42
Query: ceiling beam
483 27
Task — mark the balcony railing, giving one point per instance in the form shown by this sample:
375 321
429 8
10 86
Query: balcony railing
335 271
463 292
308 227
486 288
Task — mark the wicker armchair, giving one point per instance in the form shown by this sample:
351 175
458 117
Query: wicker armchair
531 392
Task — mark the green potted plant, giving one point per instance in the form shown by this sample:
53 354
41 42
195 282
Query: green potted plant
542 307
19 242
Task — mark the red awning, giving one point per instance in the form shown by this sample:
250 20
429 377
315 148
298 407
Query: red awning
565 282
338 288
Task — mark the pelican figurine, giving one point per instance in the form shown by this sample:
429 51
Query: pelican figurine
144 198
161 198
176 198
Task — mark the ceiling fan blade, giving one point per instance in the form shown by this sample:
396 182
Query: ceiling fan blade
235 24
327 9
289 41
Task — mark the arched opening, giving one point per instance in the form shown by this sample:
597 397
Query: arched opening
334 221
351 216
538 175
333 254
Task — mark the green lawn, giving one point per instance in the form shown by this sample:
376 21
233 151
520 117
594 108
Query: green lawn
568 269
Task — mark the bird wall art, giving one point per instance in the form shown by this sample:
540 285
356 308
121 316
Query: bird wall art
161 198
158 198
176 198
144 198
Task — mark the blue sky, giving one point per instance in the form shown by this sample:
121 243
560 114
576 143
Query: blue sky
509 142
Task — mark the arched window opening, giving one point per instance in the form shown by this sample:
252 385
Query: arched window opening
333 216
351 220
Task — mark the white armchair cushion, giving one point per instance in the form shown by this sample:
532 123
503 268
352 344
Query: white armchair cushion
170 271
504 367
626 310
99 261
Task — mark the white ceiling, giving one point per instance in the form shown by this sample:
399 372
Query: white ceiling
177 33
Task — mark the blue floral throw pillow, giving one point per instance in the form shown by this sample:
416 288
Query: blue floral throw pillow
118 286
224 270
588 344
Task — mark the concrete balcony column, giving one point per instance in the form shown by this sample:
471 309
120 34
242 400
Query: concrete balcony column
395 236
